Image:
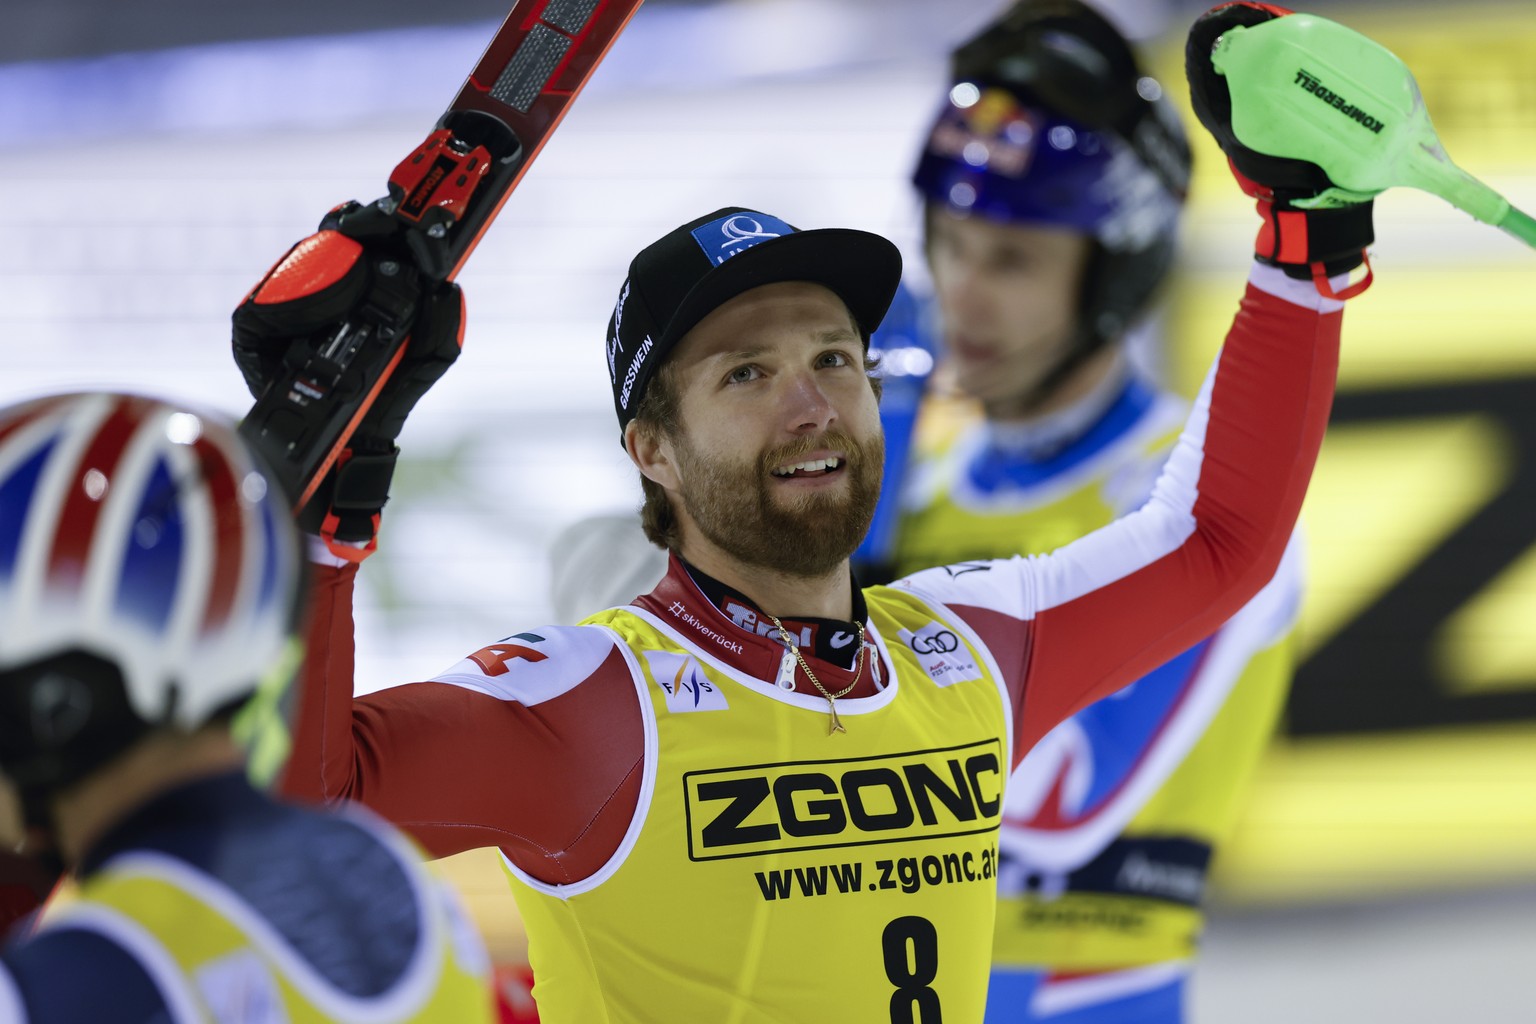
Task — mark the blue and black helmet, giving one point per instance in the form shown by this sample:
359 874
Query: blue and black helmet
1050 120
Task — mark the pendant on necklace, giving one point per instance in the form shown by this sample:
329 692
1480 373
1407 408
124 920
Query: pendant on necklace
836 725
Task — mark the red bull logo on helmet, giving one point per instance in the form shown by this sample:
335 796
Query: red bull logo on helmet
987 129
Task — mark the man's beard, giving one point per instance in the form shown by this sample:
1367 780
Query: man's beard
806 535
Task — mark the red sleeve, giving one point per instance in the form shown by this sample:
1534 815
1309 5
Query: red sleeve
1071 627
552 779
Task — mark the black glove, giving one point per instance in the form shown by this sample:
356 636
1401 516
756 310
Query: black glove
1310 244
317 285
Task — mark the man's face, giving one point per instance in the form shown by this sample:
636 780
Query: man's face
779 454
1009 297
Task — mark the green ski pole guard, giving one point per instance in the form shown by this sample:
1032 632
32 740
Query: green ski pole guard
1307 88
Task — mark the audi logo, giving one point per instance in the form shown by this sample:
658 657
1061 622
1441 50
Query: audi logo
938 643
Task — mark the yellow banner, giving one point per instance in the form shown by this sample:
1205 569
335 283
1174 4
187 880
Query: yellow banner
1409 760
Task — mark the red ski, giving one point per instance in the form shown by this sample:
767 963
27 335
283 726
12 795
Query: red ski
445 195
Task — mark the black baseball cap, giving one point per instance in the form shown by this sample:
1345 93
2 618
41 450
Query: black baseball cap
680 278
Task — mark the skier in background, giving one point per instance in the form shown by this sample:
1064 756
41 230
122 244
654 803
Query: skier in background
1053 180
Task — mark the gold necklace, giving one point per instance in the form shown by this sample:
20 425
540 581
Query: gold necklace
836 725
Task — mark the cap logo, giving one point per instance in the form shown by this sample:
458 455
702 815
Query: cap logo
618 310
615 345
734 234
634 370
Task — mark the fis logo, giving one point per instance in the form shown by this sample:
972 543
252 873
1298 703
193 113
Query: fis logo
818 805
683 680
942 654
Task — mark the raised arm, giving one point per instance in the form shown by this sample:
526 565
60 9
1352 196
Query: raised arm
1077 624
537 754
1071 627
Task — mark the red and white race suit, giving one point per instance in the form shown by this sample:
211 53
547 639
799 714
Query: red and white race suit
539 748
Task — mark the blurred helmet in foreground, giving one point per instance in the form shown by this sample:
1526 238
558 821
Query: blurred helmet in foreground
150 578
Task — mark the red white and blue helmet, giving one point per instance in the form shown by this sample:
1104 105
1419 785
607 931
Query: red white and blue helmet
150 578
1050 120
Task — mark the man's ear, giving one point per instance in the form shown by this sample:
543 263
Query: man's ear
651 452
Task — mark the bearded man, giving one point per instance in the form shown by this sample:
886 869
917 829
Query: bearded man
758 792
